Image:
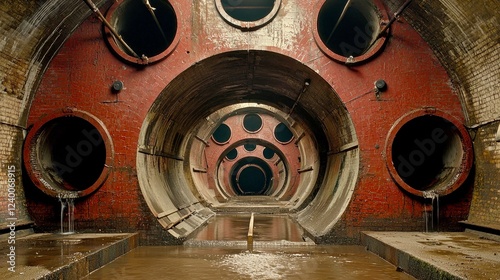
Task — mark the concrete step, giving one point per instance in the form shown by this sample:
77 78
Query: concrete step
437 255
59 256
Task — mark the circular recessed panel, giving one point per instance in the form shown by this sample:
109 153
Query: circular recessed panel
429 153
222 134
283 134
252 123
67 155
348 31
248 14
149 31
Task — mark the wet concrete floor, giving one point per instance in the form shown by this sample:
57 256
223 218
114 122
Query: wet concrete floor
450 255
58 256
308 263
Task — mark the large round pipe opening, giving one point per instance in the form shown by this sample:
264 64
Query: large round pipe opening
251 176
66 155
182 170
149 31
429 153
348 30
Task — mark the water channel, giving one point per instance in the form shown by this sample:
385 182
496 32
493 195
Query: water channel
219 252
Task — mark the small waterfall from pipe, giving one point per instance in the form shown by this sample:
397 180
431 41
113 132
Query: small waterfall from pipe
431 218
69 205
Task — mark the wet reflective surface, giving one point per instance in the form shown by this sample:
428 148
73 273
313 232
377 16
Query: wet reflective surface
309 263
266 228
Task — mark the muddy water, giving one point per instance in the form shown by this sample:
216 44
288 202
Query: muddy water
266 228
308 263
214 254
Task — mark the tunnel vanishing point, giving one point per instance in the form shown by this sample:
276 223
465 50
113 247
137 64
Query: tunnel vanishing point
347 116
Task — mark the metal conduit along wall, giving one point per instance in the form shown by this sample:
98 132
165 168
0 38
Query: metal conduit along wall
170 134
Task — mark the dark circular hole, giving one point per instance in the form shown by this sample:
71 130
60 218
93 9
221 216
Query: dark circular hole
251 176
222 134
427 152
72 152
250 147
252 180
252 122
248 10
268 153
145 34
348 28
231 155
282 133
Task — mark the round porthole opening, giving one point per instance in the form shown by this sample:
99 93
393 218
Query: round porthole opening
268 153
222 134
348 30
232 155
148 28
283 134
248 14
250 147
68 156
429 154
252 123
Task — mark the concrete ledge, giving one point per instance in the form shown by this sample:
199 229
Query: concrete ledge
437 255
56 256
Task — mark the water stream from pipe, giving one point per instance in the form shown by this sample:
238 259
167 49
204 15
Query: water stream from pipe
432 222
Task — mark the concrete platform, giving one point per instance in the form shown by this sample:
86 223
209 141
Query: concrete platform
257 204
456 255
57 256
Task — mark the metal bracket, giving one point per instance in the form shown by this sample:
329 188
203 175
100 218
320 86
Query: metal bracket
497 137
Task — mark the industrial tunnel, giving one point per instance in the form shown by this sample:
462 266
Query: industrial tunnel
243 123
281 89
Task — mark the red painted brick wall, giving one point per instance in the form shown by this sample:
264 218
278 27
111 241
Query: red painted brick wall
81 74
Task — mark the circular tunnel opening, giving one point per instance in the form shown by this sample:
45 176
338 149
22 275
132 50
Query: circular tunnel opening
251 176
222 134
172 162
148 30
349 29
248 10
67 154
252 123
430 153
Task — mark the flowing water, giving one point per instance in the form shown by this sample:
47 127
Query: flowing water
308 263
219 251
431 218
69 205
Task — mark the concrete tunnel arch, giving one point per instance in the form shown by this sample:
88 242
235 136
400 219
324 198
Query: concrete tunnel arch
184 116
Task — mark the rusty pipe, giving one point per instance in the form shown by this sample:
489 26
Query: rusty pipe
339 20
152 12
94 8
396 15
391 21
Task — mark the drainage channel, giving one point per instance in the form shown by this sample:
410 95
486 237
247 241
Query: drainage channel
250 231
